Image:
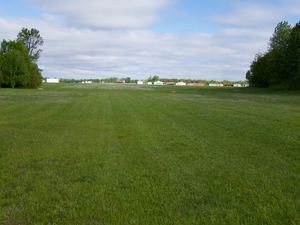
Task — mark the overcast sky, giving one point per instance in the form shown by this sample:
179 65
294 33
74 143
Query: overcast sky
214 39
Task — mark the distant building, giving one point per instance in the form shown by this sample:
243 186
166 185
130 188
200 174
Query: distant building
170 83
149 83
181 84
159 83
216 85
197 85
52 81
87 82
237 85
140 82
121 81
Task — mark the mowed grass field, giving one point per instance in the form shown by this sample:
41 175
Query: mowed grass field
109 154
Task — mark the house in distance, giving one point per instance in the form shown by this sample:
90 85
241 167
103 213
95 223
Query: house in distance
87 82
52 80
180 84
159 83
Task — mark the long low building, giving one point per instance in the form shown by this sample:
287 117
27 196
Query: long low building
237 85
197 84
159 83
181 84
52 81
216 85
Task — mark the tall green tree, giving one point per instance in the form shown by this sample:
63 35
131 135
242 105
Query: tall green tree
279 43
1 75
261 70
280 39
127 80
33 40
17 68
18 59
35 76
293 57
14 69
280 66
155 78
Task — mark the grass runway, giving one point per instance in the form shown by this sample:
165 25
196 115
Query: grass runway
112 154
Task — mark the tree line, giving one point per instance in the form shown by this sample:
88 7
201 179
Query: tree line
18 60
280 65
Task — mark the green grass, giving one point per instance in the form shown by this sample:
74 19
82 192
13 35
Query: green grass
162 155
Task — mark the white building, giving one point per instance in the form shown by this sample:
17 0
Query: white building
150 83
181 84
237 85
87 82
140 82
216 85
158 83
52 81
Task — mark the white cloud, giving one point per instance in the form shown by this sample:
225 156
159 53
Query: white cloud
106 14
259 14
249 14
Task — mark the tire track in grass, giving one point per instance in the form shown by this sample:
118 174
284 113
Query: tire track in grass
137 172
278 131
162 160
